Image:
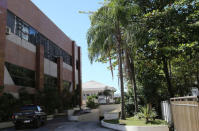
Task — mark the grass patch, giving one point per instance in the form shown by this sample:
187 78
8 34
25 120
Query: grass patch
132 121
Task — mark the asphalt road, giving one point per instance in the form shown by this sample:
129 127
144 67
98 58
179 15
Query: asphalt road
62 125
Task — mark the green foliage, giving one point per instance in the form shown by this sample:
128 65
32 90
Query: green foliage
91 102
1 88
117 100
147 112
106 93
66 97
133 121
129 102
159 43
50 99
8 104
25 97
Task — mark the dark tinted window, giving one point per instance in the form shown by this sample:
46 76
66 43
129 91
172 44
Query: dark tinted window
32 35
50 82
11 21
21 76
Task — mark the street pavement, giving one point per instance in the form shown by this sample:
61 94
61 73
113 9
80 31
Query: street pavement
60 124
81 126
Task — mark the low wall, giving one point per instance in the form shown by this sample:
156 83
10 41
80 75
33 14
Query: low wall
134 128
93 116
111 115
108 108
185 112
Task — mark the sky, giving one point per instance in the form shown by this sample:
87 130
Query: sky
65 14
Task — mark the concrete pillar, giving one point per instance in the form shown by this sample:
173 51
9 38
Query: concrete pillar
80 75
3 15
73 65
40 67
60 73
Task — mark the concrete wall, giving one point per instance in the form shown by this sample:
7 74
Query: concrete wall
18 55
108 108
7 78
76 77
134 128
68 67
21 42
50 68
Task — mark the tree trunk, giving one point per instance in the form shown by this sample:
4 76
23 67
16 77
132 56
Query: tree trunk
121 81
166 72
119 42
131 74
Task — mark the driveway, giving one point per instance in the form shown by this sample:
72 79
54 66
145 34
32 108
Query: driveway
81 126
63 125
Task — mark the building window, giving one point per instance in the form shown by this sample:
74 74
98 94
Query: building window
50 82
26 32
11 21
32 36
22 29
21 76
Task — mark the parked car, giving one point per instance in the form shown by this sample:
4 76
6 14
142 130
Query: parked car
29 115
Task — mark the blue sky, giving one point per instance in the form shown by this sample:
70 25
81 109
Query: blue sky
65 14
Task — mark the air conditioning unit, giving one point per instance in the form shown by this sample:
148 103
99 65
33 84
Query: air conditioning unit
8 30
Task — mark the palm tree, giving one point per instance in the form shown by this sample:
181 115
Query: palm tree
104 37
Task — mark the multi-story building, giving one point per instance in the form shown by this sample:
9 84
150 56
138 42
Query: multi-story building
34 52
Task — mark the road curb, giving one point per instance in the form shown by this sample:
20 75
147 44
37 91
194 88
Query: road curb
6 125
134 128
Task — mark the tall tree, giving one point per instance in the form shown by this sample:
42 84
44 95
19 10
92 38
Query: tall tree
103 37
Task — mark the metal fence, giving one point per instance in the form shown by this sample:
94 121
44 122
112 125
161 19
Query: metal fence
185 111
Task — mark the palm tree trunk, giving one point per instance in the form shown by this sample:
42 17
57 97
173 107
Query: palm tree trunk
131 74
119 39
134 86
121 81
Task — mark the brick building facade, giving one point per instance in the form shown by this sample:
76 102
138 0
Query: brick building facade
34 52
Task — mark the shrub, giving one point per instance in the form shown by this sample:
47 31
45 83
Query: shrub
147 112
66 97
25 98
1 88
91 102
130 109
50 99
8 105
117 100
